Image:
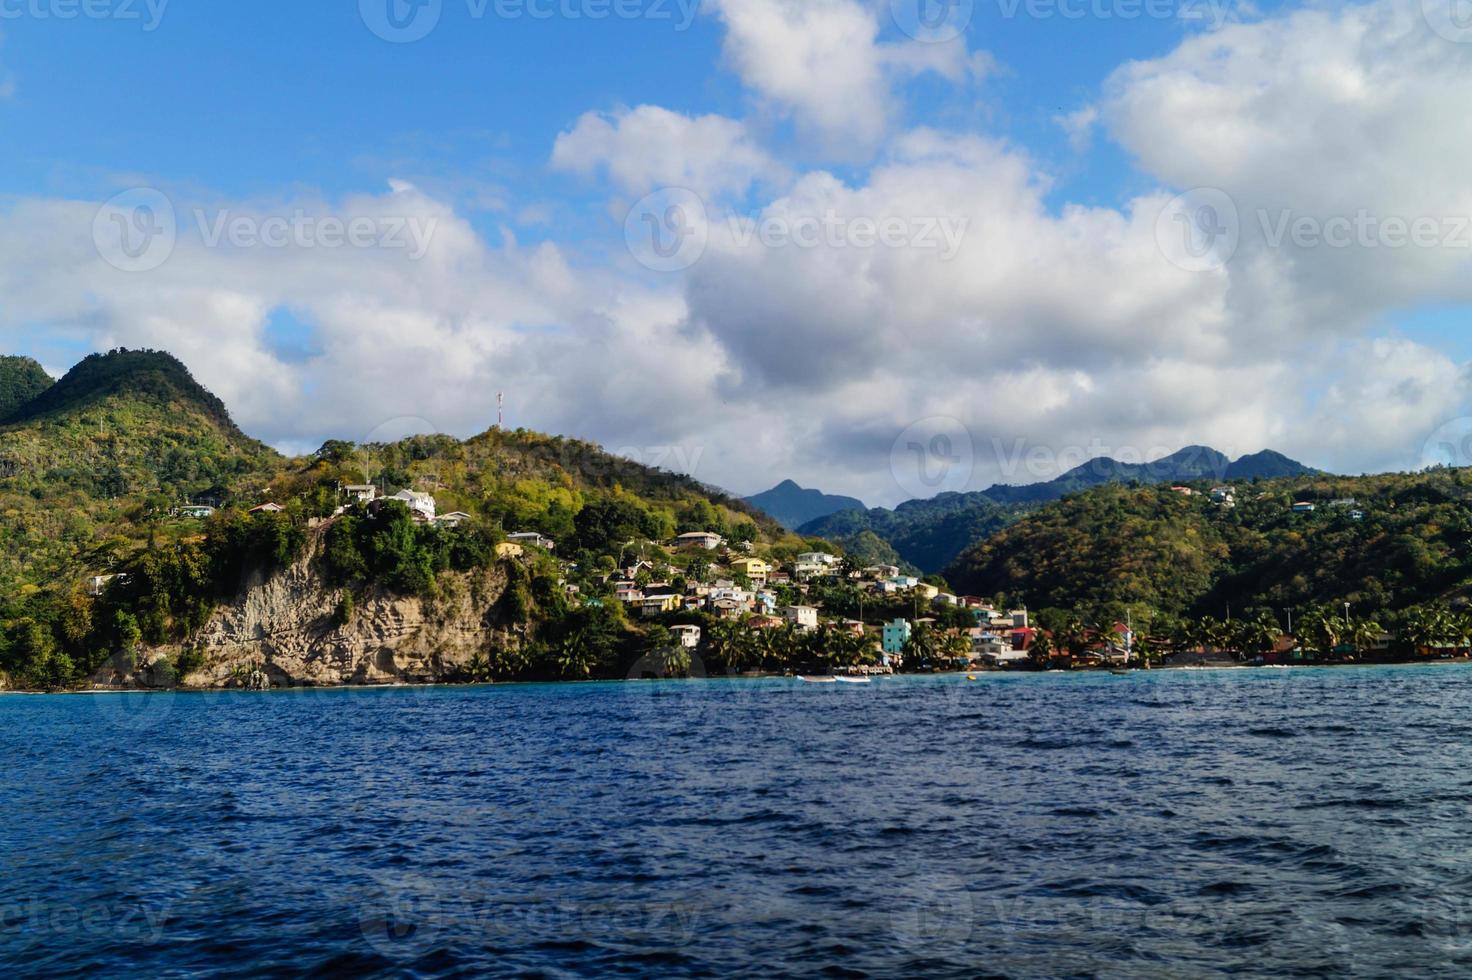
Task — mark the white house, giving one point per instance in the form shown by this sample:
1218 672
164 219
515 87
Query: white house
453 519
805 617
817 558
689 636
705 540
363 493
418 503
532 538
197 511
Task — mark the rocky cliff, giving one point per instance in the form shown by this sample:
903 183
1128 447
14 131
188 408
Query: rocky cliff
287 630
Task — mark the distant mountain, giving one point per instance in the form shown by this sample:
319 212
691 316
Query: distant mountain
21 380
931 533
1267 465
792 506
1191 463
928 534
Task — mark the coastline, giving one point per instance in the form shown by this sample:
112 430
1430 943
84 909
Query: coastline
975 674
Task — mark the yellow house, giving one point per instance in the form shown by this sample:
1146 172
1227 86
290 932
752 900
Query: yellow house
755 569
655 605
509 549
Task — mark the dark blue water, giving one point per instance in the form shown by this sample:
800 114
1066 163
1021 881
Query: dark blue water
1173 823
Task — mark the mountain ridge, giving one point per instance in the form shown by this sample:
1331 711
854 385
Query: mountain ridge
931 533
793 506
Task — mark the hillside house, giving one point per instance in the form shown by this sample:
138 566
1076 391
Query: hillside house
688 636
804 617
421 505
532 539
755 569
699 540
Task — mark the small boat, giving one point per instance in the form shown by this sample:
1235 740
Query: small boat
853 680
819 680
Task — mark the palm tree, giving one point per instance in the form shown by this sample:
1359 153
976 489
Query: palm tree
957 646
1041 650
1363 634
1257 636
1424 629
1320 631
725 641
922 646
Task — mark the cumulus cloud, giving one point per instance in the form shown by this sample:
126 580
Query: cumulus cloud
648 147
821 61
941 285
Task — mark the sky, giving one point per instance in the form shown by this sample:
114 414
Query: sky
886 248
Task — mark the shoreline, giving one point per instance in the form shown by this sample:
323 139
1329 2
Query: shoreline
976 673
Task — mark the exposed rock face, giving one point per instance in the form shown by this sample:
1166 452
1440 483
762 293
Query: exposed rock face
284 631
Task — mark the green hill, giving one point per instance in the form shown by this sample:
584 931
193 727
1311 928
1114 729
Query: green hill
1380 543
94 471
87 460
21 381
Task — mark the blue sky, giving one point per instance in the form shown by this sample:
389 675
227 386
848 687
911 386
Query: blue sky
1063 144
248 99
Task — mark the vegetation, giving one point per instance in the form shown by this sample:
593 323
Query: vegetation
99 470
21 381
1389 543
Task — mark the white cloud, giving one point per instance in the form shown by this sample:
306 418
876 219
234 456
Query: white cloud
822 62
1055 327
648 147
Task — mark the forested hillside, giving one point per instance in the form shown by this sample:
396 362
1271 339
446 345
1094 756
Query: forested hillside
101 472
1378 543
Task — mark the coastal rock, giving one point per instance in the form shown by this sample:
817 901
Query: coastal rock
284 631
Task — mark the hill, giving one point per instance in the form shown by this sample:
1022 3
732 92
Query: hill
21 381
120 436
1380 543
96 472
793 506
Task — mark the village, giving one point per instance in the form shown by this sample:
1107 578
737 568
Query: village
867 619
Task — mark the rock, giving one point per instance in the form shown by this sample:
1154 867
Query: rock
282 631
